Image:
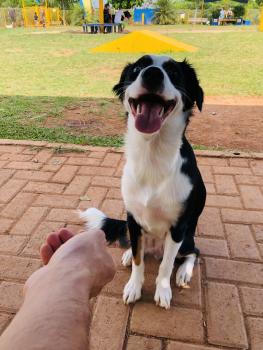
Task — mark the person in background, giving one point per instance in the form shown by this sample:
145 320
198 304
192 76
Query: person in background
107 17
36 19
118 19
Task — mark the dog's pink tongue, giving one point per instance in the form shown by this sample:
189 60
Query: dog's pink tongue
149 120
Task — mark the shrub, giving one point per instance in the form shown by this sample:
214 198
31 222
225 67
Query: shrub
77 15
239 11
165 12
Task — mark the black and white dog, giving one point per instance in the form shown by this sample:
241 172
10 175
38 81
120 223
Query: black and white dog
162 188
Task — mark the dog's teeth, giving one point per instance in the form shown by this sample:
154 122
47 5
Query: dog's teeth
161 112
138 110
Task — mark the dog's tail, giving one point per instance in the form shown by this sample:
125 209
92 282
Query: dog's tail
114 229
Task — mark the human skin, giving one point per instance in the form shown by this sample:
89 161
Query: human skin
55 313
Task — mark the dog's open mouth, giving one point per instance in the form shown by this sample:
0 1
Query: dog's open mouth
150 112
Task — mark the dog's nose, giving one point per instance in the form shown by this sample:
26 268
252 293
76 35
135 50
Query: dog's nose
152 79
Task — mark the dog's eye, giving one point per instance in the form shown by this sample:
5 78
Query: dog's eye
137 69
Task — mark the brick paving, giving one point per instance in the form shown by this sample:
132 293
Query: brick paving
40 189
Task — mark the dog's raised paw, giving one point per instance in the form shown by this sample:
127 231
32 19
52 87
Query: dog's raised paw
184 274
132 291
163 294
127 258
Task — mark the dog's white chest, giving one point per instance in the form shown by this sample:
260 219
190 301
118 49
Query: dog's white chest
155 207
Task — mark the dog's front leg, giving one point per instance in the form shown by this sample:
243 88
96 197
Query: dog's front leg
132 290
163 293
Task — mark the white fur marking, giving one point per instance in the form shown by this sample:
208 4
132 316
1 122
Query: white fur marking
127 258
93 217
163 293
132 290
185 271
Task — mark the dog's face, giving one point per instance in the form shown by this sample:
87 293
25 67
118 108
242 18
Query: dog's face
157 88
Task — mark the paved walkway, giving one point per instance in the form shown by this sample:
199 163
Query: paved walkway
41 187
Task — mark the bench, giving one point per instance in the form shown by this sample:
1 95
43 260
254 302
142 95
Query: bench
198 20
95 27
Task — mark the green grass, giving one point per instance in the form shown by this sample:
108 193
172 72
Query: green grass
41 74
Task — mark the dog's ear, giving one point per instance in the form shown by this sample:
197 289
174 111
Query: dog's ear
119 89
194 90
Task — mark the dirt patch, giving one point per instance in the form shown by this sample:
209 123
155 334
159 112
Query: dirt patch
63 53
223 123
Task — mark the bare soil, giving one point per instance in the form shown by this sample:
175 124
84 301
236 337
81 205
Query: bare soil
225 122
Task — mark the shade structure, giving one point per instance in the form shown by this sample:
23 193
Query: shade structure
144 41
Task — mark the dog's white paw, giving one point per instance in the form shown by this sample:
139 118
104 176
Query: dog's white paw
132 291
163 293
184 274
127 258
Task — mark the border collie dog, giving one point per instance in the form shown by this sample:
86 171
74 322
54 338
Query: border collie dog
162 188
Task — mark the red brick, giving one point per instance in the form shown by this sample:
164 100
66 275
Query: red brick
108 326
258 229
11 149
225 184
18 205
174 345
16 157
83 161
11 244
119 170
249 180
255 330
54 164
17 267
225 324
206 172
214 247
223 201
95 196
111 160
116 254
241 242
33 175
174 323
232 170
252 197
44 187
11 296
210 188
4 320
78 185
57 201
112 208
106 181
142 343
116 286
252 300
95 170
242 216
239 162
5 225
212 161
43 155
5 175
29 221
24 165
39 236
64 215
10 189
99 155
238 271
209 223
114 193
3 163
257 167
65 174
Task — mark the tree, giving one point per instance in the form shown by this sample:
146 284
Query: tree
125 4
165 12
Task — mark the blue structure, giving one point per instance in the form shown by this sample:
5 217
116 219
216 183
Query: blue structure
148 15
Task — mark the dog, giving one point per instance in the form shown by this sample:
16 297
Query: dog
162 188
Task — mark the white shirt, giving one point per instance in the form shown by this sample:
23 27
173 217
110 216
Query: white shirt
118 15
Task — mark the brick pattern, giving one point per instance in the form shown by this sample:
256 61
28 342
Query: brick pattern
40 192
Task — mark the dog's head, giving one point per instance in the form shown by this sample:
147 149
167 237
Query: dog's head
157 88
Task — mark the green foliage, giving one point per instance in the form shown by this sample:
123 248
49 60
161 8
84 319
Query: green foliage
239 11
126 4
165 13
259 2
77 15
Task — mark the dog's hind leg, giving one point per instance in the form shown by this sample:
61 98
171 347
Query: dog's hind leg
185 271
127 258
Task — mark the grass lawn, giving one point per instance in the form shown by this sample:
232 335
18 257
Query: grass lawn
44 73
